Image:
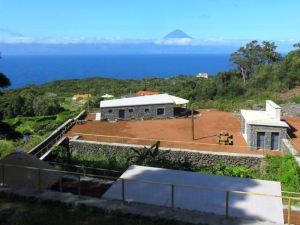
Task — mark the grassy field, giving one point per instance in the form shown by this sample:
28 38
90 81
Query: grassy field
17 212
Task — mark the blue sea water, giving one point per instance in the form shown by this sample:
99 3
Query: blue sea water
25 70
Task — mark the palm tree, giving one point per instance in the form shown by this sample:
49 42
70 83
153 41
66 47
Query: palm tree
144 155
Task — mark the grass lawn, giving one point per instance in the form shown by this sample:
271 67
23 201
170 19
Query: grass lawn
18 212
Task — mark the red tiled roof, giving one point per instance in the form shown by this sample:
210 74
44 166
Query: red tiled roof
141 93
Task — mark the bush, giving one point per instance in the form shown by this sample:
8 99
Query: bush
228 170
6 147
284 169
296 99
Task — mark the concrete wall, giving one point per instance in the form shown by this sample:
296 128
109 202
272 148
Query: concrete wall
195 159
138 112
273 110
254 129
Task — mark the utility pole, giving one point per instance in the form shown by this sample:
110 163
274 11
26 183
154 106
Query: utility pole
193 123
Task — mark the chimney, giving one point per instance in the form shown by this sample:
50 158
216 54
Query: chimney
273 110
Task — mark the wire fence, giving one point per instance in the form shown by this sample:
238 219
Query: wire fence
192 197
227 203
40 179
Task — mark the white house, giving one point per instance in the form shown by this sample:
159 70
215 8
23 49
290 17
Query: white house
264 129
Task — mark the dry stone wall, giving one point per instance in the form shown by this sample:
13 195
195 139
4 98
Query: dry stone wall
195 159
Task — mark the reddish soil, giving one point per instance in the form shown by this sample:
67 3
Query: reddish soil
295 217
175 133
290 93
295 127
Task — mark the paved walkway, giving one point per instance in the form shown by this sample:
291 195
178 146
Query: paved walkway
132 208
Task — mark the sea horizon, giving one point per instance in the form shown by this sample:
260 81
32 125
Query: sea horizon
24 70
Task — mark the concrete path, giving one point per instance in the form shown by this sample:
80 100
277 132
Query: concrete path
182 215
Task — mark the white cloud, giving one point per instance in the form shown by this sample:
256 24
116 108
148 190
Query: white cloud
174 41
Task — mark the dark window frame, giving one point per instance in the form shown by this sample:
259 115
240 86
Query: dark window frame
160 114
272 140
263 141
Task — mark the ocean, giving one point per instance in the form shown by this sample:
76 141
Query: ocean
27 70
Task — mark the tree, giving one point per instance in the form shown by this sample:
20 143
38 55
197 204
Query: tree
4 81
297 45
44 106
253 54
14 106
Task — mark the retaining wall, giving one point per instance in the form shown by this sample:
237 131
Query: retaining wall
196 159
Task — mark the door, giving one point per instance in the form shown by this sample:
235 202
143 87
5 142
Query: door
274 141
261 140
121 113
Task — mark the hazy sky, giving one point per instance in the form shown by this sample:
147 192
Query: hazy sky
212 20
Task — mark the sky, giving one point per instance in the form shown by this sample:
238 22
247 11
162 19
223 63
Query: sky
208 21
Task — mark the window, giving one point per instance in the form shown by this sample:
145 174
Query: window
110 111
275 141
130 110
160 111
261 140
121 113
147 110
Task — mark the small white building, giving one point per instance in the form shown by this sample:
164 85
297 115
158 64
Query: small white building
202 75
264 129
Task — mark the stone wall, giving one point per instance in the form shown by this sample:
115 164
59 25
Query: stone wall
291 109
138 112
254 129
195 159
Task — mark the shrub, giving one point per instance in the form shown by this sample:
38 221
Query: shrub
284 169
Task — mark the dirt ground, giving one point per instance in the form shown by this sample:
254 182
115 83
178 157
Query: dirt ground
294 123
295 217
176 133
290 93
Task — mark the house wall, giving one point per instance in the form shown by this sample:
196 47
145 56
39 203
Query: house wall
254 129
138 112
245 129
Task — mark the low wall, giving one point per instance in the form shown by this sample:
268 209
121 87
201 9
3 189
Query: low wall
55 134
195 159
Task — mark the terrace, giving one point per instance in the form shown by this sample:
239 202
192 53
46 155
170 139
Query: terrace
173 133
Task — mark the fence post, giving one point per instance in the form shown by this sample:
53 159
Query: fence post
79 186
289 211
227 205
123 190
173 194
3 180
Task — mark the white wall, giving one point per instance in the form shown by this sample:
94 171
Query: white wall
273 110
